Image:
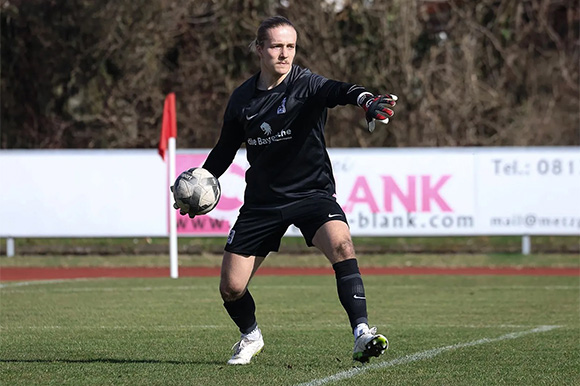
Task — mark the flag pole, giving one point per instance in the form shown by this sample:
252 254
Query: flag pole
173 261
167 142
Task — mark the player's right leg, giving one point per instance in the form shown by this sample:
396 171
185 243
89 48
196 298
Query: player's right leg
236 272
256 233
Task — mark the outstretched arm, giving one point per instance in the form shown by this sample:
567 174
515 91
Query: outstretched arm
376 107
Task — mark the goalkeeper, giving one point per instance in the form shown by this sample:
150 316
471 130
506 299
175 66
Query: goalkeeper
280 113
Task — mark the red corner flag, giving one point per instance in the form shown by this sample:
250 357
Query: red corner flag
169 125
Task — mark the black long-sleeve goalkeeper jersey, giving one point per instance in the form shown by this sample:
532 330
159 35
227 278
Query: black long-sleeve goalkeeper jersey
283 130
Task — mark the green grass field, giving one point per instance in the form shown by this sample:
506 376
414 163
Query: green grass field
443 330
311 259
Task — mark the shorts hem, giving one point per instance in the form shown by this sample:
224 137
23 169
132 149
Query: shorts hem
247 254
309 241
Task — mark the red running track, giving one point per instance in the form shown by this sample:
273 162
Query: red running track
52 273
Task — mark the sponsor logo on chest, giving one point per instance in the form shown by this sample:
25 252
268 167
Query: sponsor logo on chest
267 137
283 135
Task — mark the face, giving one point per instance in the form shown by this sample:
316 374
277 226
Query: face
277 51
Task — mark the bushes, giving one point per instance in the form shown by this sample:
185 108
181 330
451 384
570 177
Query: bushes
84 74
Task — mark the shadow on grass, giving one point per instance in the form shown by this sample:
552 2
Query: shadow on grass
114 361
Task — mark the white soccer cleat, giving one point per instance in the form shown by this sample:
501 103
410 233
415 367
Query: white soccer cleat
369 344
245 350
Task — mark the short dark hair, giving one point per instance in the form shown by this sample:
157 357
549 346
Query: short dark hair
268 24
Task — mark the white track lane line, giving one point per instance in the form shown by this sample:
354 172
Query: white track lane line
419 356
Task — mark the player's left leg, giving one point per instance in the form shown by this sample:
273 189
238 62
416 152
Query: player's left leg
334 240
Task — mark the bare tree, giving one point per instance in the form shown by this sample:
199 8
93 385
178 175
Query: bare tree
85 74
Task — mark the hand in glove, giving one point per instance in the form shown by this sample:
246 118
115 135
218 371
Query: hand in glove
377 107
183 209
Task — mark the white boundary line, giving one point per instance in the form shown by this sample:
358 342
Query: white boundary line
419 356
39 282
15 284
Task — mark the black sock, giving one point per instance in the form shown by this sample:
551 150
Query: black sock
243 312
351 291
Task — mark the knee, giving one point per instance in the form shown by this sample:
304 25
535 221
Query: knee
230 291
344 250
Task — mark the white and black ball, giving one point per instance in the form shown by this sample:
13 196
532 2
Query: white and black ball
196 191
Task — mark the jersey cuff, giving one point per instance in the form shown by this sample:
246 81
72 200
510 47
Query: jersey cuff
362 96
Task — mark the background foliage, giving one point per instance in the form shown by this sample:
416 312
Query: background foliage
93 74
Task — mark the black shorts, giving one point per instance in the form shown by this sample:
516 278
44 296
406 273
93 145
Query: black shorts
258 230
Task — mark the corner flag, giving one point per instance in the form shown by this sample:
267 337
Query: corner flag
167 143
169 125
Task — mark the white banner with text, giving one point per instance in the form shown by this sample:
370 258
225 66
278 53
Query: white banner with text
431 192
384 192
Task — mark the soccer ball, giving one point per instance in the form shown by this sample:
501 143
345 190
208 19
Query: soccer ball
196 191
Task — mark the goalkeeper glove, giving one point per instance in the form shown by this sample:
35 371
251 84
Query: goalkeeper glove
182 210
377 107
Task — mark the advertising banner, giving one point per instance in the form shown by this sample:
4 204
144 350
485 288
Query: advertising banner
384 192
528 191
430 192
82 193
405 192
